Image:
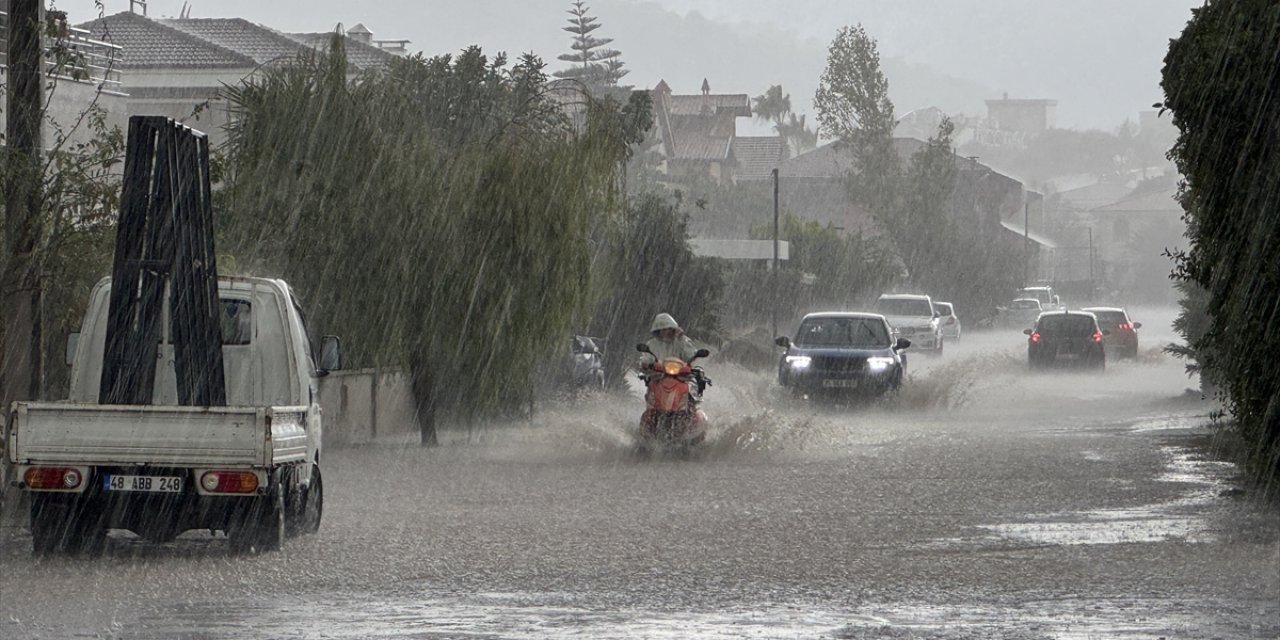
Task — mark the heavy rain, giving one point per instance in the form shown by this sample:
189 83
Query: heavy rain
640 319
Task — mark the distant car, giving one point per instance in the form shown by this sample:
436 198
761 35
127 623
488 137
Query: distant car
1120 332
913 317
949 320
1021 312
842 353
1049 300
1063 338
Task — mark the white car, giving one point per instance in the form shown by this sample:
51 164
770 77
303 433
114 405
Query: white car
950 321
1020 313
913 317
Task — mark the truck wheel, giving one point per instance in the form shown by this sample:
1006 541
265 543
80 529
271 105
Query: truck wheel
49 520
259 527
306 505
70 526
313 508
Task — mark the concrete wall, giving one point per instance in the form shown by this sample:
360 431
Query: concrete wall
364 405
68 100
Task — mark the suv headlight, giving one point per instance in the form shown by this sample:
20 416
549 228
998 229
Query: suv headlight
799 362
877 364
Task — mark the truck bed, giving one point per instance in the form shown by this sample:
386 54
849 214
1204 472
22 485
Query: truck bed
55 432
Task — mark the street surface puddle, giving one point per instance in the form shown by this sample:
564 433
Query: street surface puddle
1182 518
561 615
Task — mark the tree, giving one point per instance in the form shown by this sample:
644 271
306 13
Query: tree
593 65
60 199
438 215
853 105
772 106
947 246
1219 78
775 107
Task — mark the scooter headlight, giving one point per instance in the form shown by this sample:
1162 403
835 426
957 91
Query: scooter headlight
672 368
878 364
799 362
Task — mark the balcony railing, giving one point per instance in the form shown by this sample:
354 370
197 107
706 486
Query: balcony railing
72 55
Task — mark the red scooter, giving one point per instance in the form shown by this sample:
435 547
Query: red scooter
672 420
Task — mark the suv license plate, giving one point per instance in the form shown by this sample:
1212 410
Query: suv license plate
154 484
840 384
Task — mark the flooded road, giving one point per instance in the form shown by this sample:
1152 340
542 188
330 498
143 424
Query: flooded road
983 502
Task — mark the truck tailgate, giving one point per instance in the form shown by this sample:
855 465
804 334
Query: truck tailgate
144 434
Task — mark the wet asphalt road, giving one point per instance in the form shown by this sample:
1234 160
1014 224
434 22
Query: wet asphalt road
984 502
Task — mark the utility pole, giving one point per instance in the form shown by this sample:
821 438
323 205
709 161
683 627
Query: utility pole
774 306
1092 286
1026 242
19 282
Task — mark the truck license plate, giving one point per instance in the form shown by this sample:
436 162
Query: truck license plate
157 484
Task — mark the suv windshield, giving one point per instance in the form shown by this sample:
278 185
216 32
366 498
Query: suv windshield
900 307
862 333
1067 326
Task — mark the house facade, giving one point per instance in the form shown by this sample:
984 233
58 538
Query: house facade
179 67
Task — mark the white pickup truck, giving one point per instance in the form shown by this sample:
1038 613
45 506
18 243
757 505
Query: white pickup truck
250 468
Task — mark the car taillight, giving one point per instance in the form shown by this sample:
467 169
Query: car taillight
1035 336
1125 326
52 478
229 481
1097 336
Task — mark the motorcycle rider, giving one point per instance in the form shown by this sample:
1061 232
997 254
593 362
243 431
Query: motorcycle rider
669 341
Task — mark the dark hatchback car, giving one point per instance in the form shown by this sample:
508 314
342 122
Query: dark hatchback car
1064 338
842 353
1121 333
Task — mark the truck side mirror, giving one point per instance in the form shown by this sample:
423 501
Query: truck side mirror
73 343
1137 325
330 354
1027 331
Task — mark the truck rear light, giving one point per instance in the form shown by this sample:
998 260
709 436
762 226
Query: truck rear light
52 478
229 481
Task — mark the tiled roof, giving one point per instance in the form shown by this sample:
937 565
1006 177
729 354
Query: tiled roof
757 156
702 137
148 44
739 104
214 43
362 56
237 34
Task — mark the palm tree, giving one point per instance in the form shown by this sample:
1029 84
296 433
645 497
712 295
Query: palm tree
773 106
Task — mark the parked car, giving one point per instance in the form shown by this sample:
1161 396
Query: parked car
844 353
950 321
1120 332
1021 312
587 362
913 317
1066 338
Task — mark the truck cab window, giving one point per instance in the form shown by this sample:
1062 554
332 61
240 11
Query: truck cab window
236 321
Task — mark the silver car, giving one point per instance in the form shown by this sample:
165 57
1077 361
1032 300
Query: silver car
949 320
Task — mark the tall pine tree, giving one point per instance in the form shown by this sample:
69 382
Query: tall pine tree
594 65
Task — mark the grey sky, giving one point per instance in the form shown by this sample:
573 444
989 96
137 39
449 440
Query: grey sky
1100 59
